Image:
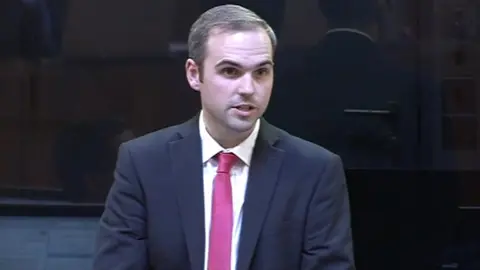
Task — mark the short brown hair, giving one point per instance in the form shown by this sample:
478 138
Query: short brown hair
227 18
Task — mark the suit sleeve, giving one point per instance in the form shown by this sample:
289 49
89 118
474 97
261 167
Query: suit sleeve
328 243
121 239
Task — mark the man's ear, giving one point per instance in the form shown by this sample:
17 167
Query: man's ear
192 71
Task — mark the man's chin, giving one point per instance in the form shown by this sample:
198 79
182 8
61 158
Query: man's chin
242 125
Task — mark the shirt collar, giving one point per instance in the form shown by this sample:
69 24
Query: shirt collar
351 30
210 147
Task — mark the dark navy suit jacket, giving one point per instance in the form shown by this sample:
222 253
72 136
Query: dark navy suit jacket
295 216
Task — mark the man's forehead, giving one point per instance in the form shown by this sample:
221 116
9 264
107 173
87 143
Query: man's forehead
239 48
245 63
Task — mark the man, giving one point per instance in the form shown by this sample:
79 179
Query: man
174 204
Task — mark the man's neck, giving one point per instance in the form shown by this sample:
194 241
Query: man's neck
233 139
224 137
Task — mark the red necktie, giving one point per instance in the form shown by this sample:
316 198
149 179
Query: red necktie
222 215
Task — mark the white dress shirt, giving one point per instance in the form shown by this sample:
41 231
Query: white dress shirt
239 178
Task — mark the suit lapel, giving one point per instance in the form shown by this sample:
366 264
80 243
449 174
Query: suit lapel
263 177
186 156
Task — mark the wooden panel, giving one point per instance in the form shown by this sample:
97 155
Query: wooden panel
455 19
175 100
117 27
457 60
87 100
146 95
469 189
459 96
183 19
10 157
39 164
302 15
52 98
78 102
14 83
61 91
157 89
79 93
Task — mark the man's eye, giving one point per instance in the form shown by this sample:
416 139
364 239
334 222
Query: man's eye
231 72
262 72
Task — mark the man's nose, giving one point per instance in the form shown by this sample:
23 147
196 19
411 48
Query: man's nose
247 85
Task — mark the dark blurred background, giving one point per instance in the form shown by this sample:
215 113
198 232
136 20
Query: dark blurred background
389 85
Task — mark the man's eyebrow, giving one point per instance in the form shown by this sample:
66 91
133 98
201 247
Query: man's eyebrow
226 62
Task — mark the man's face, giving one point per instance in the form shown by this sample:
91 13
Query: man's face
236 79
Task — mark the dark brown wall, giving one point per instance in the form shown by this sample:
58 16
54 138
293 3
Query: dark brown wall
115 63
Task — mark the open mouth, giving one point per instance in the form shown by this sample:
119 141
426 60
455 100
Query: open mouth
244 108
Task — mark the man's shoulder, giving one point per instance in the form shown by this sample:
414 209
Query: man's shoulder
157 139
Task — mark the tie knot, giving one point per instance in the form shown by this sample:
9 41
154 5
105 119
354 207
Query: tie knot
226 162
